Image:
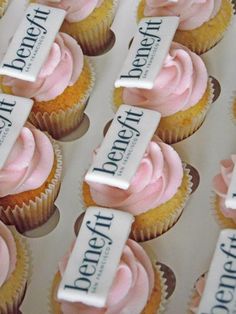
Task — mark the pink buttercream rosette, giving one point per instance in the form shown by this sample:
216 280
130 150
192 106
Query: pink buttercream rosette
26 169
225 216
131 289
14 269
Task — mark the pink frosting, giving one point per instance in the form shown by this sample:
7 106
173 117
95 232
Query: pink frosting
179 85
131 288
7 254
199 288
157 179
61 69
192 13
29 162
221 184
77 10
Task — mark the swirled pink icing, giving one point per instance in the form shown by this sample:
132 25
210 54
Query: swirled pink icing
77 10
198 292
157 179
221 184
7 254
61 69
28 164
192 13
179 85
131 288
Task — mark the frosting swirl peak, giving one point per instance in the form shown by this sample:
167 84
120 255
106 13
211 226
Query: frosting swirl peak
192 13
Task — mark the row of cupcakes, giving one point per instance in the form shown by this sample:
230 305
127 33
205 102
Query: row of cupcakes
89 22
59 108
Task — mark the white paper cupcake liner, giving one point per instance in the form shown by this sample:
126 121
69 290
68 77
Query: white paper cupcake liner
39 210
163 284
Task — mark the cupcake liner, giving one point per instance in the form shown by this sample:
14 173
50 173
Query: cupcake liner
53 305
94 38
166 215
156 304
13 291
223 221
63 122
34 213
207 35
3 6
233 107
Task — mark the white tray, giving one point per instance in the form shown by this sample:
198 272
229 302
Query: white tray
187 248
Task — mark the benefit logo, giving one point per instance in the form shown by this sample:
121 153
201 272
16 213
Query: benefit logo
95 257
147 53
33 34
32 42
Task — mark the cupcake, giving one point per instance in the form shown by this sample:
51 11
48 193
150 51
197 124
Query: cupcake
197 294
202 23
30 180
156 196
61 90
3 7
138 287
88 22
182 93
225 216
14 266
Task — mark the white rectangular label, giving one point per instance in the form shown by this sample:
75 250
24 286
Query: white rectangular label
14 112
219 295
147 52
230 201
123 147
95 257
32 42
